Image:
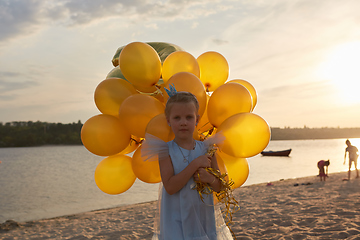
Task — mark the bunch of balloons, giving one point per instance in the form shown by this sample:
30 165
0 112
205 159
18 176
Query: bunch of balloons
132 101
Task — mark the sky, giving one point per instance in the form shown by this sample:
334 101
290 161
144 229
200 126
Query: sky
302 56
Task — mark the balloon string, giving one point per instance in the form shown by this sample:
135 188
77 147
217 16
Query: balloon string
136 141
155 93
224 196
208 133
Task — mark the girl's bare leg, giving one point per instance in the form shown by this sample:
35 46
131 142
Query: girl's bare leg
357 171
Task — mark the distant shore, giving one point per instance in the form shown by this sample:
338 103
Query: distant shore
313 133
302 208
30 134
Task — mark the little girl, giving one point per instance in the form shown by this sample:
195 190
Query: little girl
183 215
321 165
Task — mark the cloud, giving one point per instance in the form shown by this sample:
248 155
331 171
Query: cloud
18 17
84 11
298 91
9 85
152 26
219 41
23 17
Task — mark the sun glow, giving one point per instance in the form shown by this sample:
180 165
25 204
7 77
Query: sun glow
342 68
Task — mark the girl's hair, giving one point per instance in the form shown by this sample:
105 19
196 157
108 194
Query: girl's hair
181 97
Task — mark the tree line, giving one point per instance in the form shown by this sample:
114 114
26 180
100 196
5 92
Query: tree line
313 133
26 134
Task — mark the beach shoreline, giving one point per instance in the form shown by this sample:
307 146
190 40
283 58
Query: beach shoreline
300 208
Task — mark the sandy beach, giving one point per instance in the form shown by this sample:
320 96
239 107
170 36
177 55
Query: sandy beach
302 208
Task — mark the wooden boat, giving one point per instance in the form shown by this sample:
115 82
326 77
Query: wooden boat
283 153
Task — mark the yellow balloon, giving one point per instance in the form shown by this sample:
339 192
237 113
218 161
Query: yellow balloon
237 169
227 100
204 125
162 48
116 73
140 64
133 145
137 110
104 135
247 134
147 171
179 61
110 93
188 82
214 70
114 174
250 88
159 127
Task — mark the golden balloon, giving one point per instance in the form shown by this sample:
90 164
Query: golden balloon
227 100
114 174
214 70
247 134
250 88
132 102
140 64
104 135
237 168
179 61
147 171
159 127
110 93
188 82
137 110
204 125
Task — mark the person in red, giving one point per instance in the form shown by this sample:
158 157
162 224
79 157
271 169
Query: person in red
353 156
321 165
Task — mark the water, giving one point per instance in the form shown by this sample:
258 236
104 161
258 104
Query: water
45 182
302 161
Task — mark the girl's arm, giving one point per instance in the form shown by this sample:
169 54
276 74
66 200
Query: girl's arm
345 157
207 177
173 183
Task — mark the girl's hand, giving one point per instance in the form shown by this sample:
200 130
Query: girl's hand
203 161
204 176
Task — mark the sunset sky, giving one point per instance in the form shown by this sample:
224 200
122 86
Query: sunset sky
303 57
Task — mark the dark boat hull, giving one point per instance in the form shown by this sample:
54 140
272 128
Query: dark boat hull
283 153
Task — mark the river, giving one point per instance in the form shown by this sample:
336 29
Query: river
51 181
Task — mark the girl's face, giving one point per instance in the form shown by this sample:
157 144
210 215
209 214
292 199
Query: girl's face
183 119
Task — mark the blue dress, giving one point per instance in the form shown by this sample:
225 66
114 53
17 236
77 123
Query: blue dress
183 215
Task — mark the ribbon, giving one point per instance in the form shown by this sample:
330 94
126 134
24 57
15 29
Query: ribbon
224 196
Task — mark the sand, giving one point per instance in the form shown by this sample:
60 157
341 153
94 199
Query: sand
302 208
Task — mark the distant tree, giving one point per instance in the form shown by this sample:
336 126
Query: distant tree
23 134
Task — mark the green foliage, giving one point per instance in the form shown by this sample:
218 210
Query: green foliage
26 134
